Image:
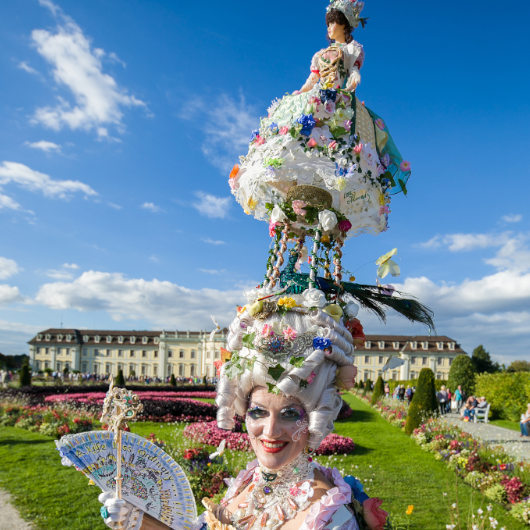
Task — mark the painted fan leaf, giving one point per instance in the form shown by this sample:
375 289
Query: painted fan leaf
152 480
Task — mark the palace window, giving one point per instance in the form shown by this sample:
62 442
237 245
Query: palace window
414 345
144 354
381 344
396 345
181 354
109 339
170 353
108 353
155 354
440 361
452 346
366 359
424 361
144 340
380 359
193 354
131 353
96 352
85 352
155 369
413 360
181 370
425 345
132 339
120 340
107 369
192 373
120 353
367 344
83 367
96 339
440 345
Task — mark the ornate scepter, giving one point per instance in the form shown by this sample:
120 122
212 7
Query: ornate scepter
120 405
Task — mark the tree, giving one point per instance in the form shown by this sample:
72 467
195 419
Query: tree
482 361
424 403
172 380
367 386
462 373
25 375
519 366
379 390
361 385
120 380
66 371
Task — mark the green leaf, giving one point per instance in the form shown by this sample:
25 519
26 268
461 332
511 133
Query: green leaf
403 186
338 131
297 361
303 383
390 177
269 206
273 389
276 371
248 340
311 214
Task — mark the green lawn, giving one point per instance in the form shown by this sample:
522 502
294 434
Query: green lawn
56 497
507 424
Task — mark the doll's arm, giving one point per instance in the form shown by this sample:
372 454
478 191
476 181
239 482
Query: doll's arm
355 76
312 80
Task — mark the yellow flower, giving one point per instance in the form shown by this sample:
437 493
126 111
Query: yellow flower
324 239
410 509
287 302
386 265
352 278
91 483
382 199
251 204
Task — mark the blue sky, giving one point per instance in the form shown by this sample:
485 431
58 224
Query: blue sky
120 121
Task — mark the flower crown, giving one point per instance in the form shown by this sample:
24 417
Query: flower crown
351 9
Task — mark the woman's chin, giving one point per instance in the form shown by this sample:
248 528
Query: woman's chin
275 460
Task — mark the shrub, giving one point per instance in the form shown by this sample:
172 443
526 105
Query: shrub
424 402
462 373
25 375
508 393
361 385
120 380
367 387
379 390
345 411
172 380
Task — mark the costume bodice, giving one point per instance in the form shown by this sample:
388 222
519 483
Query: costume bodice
336 63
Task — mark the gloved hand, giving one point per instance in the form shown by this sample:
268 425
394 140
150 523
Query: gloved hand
116 511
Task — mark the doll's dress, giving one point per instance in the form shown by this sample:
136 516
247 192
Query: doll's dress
324 137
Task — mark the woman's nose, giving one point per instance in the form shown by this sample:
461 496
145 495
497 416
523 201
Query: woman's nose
272 427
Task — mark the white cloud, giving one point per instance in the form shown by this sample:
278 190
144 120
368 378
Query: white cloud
8 203
97 100
44 145
212 206
466 242
29 179
19 327
212 241
154 259
227 124
212 271
161 302
513 218
8 268
59 274
23 65
9 294
151 206
72 266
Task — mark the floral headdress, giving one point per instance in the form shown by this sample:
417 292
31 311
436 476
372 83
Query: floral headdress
351 9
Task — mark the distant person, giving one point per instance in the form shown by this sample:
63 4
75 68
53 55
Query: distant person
408 394
3 378
525 422
387 390
468 410
442 400
458 398
401 393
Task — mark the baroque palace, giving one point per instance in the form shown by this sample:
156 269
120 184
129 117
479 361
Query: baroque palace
192 353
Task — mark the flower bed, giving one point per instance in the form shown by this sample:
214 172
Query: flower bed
208 433
499 476
45 420
98 397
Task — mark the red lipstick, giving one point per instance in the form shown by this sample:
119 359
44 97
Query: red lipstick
271 446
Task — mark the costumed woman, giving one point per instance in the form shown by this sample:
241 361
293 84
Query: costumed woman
288 360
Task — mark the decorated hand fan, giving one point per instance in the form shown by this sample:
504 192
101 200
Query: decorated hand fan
131 466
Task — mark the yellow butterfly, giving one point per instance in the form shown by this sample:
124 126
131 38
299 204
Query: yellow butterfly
386 265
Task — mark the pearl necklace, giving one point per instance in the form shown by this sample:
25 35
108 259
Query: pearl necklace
276 496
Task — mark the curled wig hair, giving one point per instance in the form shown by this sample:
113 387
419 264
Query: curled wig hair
320 398
334 15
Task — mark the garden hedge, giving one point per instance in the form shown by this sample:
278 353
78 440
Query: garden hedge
424 402
379 390
462 373
508 393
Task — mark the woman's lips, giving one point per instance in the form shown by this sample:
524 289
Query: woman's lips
273 447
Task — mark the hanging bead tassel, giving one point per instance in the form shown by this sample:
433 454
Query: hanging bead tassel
280 253
327 263
337 272
314 251
272 259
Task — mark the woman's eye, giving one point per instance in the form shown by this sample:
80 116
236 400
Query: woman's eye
291 414
257 413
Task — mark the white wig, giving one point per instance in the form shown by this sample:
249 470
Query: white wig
320 398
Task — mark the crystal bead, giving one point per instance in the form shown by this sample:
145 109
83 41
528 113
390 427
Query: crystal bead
296 471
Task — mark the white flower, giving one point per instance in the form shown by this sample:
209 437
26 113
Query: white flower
340 184
327 219
480 511
453 505
450 526
277 215
351 309
370 156
302 258
314 298
306 492
489 507
321 135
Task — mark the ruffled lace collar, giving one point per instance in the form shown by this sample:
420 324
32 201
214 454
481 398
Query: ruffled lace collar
321 512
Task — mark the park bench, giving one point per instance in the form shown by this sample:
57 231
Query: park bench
481 414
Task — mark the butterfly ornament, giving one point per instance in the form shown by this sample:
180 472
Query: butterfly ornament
219 451
387 265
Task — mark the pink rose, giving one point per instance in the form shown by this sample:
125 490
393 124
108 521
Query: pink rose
260 140
312 143
315 100
284 130
384 209
272 229
332 145
357 149
330 107
347 124
298 207
311 378
373 515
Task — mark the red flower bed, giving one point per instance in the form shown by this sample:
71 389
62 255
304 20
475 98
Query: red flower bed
208 433
98 397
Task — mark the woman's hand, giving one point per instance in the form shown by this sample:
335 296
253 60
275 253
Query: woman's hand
118 511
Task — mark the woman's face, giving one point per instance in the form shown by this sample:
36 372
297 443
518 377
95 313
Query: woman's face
278 427
336 32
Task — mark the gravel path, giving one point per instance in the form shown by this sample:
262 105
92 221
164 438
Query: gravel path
9 517
510 440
